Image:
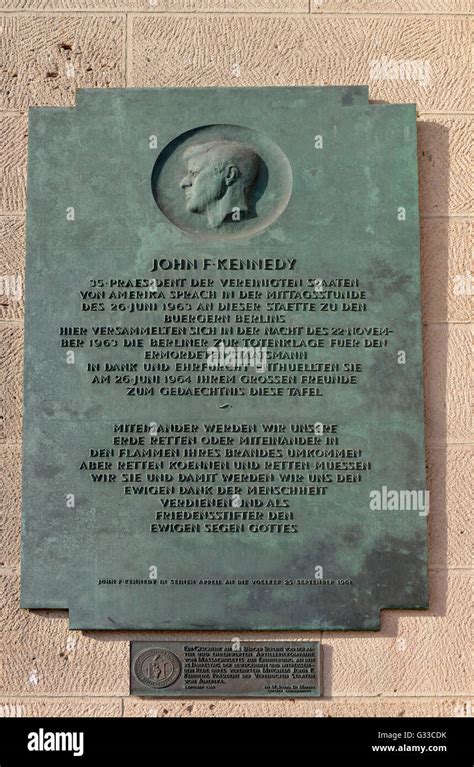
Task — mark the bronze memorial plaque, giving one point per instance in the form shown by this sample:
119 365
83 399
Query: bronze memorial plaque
223 424
231 669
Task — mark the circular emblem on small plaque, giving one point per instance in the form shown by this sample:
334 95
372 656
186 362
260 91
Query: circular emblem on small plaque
157 667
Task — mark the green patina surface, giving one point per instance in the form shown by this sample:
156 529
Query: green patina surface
342 220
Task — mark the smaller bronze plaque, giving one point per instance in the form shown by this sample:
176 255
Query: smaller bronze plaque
232 668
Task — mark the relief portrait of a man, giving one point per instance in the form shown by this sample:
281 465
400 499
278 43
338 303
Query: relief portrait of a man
219 180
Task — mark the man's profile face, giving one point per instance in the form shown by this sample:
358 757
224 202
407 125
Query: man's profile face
202 184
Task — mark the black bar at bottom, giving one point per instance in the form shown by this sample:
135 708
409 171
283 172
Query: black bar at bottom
56 740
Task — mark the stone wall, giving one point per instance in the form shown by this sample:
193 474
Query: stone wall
418 663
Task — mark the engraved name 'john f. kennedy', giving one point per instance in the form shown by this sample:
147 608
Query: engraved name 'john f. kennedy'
219 180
